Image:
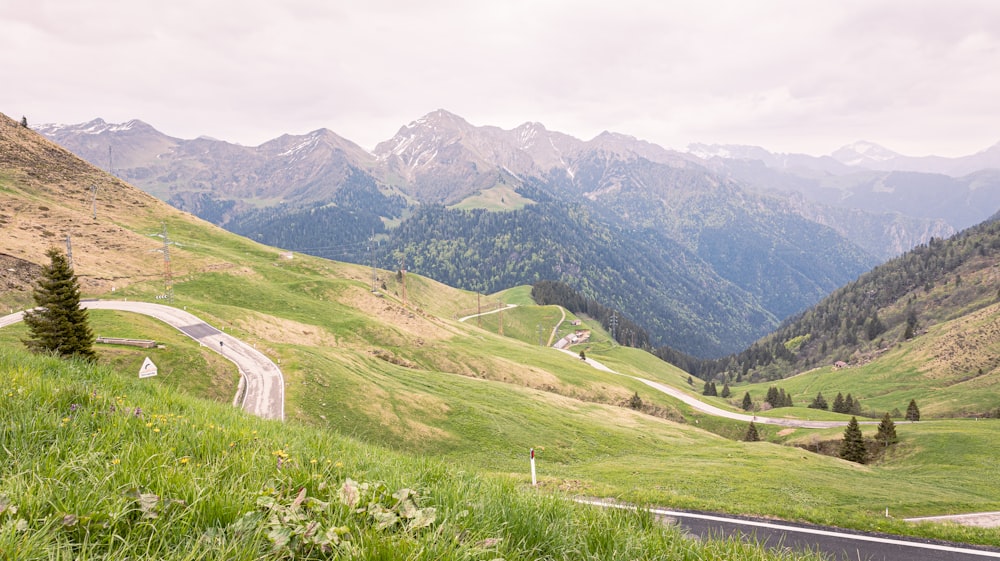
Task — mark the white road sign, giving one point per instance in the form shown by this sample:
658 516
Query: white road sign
148 369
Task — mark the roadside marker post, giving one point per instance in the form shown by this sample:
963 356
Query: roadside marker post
534 482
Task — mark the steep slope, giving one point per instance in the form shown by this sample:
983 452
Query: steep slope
897 301
47 195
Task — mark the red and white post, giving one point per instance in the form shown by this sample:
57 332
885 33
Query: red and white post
534 482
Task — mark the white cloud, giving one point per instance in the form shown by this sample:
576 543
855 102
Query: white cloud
805 76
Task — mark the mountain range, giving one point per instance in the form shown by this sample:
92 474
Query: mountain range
708 252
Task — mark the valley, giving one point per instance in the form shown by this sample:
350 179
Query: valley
376 379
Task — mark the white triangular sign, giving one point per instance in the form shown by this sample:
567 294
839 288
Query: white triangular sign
148 369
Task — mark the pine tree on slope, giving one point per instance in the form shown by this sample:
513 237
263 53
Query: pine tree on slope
852 447
59 325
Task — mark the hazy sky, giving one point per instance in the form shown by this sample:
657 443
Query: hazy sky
918 77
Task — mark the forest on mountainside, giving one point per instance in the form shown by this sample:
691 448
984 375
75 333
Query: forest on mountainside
652 279
893 301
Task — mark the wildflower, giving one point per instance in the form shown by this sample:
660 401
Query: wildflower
73 407
138 411
115 462
65 420
157 429
313 461
184 460
338 465
149 424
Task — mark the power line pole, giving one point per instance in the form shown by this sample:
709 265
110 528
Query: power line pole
500 328
479 310
69 251
402 277
93 200
168 279
614 323
371 242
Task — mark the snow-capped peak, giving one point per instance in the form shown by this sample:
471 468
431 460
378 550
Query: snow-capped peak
857 153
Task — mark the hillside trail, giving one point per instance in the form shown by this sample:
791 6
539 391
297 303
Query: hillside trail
261 383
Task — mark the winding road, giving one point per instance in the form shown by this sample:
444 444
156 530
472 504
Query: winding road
263 387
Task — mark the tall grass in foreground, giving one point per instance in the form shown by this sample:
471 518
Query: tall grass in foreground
94 465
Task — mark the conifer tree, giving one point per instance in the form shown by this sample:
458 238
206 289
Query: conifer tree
819 402
747 402
912 411
635 402
838 403
852 447
751 435
773 397
726 392
887 431
58 324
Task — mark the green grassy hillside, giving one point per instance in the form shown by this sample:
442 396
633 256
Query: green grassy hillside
372 372
98 465
949 370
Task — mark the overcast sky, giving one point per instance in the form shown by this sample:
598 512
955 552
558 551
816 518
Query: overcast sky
918 77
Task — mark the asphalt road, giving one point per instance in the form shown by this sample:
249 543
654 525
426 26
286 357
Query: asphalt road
264 387
836 544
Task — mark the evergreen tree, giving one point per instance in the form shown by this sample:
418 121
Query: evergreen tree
751 434
635 402
887 431
690 381
772 397
852 447
912 411
59 325
747 402
819 402
838 404
726 392
24 121
714 390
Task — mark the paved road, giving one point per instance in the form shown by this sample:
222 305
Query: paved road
833 542
493 311
264 387
713 410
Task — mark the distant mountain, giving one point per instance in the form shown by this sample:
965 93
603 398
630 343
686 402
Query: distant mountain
906 206
214 179
864 154
714 265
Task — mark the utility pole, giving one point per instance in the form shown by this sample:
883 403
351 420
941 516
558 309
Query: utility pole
371 242
168 280
402 277
479 310
93 200
500 328
69 251
613 323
